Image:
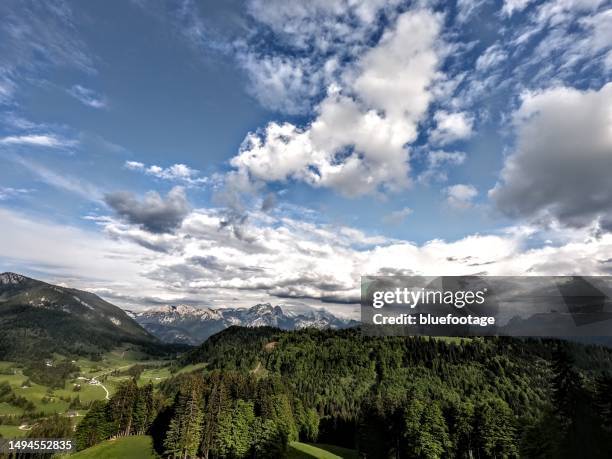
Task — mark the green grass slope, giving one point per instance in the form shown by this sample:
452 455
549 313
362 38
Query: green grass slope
299 450
138 447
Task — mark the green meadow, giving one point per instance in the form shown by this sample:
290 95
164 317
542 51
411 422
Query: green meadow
109 371
140 447
298 450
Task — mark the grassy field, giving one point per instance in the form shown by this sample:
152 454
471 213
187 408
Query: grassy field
56 400
140 447
11 431
299 450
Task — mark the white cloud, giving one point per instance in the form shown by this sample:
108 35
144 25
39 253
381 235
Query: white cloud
356 144
281 260
566 36
317 41
283 83
511 6
323 24
10 192
460 196
598 39
560 168
7 87
62 181
451 127
134 165
177 172
557 11
438 157
437 165
88 97
81 258
397 217
491 57
38 140
466 8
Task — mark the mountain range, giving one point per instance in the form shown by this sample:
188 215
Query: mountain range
192 325
38 319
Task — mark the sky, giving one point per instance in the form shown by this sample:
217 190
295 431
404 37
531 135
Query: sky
223 154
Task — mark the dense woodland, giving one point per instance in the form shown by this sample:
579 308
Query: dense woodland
385 397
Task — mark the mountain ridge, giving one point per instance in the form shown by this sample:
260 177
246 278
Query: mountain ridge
192 325
38 318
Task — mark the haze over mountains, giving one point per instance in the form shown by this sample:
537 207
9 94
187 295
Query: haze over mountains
192 325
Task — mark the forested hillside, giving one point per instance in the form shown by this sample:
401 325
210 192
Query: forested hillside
385 397
38 319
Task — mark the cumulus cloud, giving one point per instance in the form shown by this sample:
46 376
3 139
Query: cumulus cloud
153 213
176 172
356 144
88 96
286 258
283 259
451 127
317 41
460 196
560 168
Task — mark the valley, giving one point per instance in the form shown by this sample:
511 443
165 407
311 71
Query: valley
94 380
309 386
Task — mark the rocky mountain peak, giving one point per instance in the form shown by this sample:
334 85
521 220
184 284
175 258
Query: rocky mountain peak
9 278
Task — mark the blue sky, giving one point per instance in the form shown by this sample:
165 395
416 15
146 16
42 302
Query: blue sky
223 153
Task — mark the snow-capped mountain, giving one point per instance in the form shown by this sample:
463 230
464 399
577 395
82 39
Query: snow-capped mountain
193 325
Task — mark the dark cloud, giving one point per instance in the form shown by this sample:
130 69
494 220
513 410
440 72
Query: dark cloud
269 202
560 170
236 224
154 212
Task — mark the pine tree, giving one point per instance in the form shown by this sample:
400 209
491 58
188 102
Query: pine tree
235 435
217 403
567 387
425 431
495 429
268 440
185 431
144 410
172 444
604 401
95 427
122 407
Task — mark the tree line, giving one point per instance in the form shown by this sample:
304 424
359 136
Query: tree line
385 397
